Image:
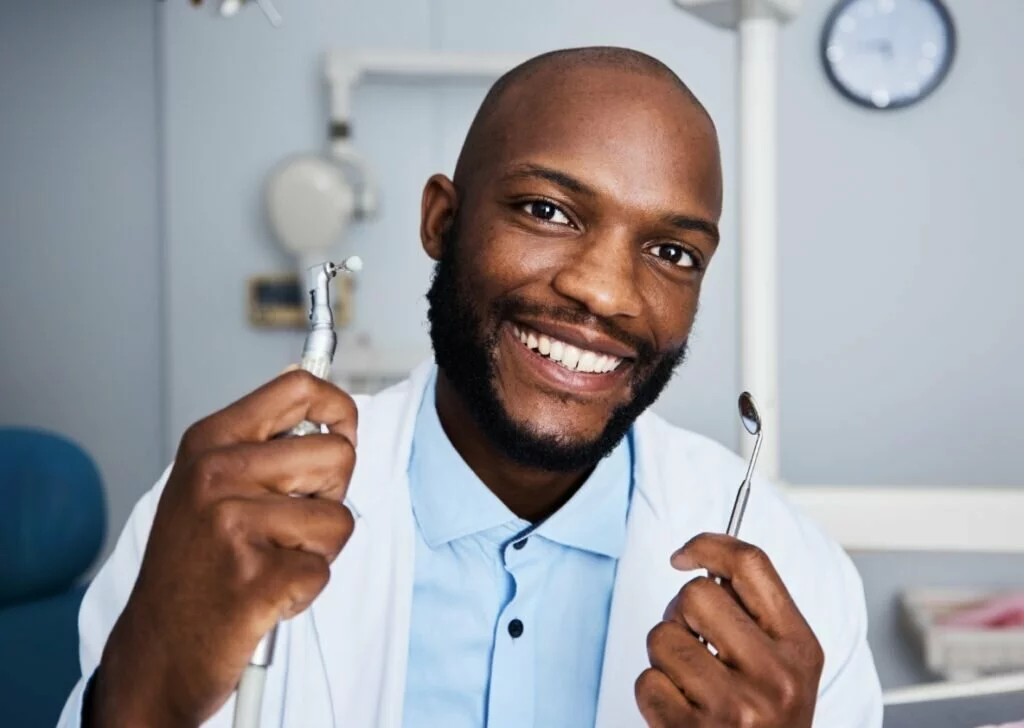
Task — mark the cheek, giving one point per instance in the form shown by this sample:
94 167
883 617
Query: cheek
673 310
505 260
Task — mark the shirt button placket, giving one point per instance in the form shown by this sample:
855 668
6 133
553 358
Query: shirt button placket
512 685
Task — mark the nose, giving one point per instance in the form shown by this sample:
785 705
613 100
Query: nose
601 275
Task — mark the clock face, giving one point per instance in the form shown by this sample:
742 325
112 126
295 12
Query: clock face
887 54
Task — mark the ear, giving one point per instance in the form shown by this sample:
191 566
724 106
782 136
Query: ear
437 213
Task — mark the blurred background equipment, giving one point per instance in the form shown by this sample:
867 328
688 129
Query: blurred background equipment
52 525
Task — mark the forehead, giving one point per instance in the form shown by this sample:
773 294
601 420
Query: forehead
637 138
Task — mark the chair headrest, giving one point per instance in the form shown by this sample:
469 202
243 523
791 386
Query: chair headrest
52 513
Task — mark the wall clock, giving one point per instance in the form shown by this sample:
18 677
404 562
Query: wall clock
888 54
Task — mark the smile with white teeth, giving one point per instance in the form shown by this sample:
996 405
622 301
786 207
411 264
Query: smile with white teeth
570 357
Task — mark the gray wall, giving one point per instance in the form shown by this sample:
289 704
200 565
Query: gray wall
900 267
79 280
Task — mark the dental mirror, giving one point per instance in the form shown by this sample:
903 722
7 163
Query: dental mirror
748 413
752 423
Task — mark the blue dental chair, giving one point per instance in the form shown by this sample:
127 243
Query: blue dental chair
52 523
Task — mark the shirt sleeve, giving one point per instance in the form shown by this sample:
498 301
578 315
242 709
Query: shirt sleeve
850 694
106 597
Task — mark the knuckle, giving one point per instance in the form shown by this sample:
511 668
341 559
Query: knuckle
248 567
789 693
658 637
753 558
302 382
816 656
342 452
316 574
345 524
694 593
213 468
228 521
646 686
193 438
350 405
747 715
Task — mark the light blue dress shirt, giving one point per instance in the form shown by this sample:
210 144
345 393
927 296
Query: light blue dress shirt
509 618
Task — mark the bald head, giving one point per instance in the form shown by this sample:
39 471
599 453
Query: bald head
540 79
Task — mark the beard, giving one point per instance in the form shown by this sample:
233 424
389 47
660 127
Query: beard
465 348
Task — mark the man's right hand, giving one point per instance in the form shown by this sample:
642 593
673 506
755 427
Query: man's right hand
231 552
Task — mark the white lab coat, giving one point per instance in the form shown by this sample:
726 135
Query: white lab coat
342 663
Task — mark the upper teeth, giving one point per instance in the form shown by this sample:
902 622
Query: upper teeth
571 357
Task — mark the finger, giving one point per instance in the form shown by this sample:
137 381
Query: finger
752 576
319 465
660 702
707 609
274 408
313 525
289 583
675 651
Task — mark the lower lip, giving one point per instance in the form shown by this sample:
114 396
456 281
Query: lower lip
555 375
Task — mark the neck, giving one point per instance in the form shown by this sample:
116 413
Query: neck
531 494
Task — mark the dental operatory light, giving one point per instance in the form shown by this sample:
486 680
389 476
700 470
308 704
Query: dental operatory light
231 8
312 199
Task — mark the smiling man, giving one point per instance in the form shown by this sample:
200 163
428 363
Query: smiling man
519 543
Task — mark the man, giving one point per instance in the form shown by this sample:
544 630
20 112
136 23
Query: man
518 543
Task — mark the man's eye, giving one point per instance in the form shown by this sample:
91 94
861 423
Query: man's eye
674 254
546 211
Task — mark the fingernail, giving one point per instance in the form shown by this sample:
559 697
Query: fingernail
680 560
289 368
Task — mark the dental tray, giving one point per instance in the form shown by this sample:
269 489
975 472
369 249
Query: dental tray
959 652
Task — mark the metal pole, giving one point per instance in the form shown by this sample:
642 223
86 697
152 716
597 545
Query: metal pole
758 35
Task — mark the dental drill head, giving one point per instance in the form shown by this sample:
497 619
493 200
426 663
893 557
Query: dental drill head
318 351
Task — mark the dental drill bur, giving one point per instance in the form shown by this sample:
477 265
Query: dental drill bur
317 357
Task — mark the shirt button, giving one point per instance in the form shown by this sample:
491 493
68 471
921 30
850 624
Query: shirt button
515 628
519 544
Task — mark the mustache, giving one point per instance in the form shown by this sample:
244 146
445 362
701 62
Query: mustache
509 307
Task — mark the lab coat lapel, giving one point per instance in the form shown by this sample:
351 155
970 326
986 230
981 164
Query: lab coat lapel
361 619
663 515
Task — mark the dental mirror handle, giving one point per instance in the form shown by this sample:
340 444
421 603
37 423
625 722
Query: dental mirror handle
739 506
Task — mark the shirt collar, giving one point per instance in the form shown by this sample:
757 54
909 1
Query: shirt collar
449 501
594 519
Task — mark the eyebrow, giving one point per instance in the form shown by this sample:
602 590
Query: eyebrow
568 182
686 222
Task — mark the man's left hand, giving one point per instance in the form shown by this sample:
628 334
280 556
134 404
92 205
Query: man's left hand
769 662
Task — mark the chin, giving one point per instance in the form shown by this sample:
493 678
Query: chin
562 423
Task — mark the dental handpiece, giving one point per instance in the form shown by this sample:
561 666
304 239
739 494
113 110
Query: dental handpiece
317 357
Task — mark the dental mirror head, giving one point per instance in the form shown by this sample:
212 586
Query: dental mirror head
749 415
